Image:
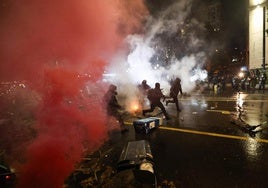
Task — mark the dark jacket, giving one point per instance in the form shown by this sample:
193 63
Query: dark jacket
155 95
175 88
110 101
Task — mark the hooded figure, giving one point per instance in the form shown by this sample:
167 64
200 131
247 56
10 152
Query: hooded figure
112 106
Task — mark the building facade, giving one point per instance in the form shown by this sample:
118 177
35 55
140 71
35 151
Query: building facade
258 37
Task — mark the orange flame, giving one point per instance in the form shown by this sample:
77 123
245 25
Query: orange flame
135 106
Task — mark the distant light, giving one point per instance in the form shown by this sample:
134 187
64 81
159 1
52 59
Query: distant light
234 60
240 99
199 75
106 77
182 31
241 74
156 66
244 68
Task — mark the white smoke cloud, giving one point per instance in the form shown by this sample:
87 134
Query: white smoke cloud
130 69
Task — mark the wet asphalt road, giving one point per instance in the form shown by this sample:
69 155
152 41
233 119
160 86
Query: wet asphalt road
202 146
207 144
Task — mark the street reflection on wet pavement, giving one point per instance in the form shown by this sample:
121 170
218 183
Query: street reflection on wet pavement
217 140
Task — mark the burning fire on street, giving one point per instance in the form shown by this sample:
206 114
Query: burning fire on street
135 107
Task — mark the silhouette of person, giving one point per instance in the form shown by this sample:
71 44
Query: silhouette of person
175 89
154 95
113 107
262 81
143 89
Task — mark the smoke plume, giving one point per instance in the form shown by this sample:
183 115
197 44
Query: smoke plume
60 49
171 46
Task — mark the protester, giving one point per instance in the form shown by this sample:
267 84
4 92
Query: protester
154 96
262 81
113 108
174 92
143 89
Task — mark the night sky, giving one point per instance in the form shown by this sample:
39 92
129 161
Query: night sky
235 19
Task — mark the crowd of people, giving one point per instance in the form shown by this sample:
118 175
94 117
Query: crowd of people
245 80
249 80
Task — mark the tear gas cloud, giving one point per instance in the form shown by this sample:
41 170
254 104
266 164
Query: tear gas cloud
60 49
141 63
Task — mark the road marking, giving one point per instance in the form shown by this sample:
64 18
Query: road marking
127 123
220 111
214 134
209 133
224 99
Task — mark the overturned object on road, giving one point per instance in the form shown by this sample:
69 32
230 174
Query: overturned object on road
250 129
136 158
147 124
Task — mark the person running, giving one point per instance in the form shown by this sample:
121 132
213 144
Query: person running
143 89
174 92
154 96
113 107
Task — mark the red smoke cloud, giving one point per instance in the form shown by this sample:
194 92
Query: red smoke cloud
53 44
35 32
